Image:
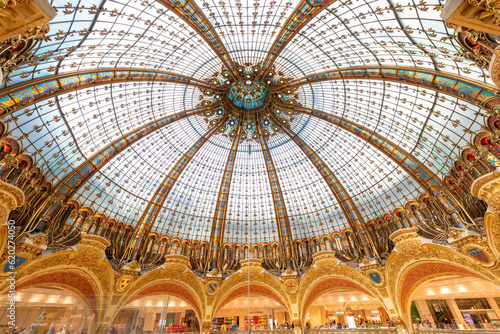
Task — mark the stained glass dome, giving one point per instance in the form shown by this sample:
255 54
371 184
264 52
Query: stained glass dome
244 121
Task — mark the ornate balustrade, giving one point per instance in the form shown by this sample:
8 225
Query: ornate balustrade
454 331
352 330
260 331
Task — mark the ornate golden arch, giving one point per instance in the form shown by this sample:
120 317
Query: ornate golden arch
255 289
328 283
176 281
407 270
261 283
170 288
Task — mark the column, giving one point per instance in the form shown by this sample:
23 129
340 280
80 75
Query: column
494 306
11 197
424 311
455 311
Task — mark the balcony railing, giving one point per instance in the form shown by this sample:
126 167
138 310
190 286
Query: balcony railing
352 330
457 328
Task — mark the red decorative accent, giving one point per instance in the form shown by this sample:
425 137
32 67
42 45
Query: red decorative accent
485 141
69 279
172 289
7 148
254 289
331 284
418 273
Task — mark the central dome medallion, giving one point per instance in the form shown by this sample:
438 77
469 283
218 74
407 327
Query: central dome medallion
248 94
249 102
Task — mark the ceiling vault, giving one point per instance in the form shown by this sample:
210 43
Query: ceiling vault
30 92
192 15
217 233
152 210
346 203
283 224
472 91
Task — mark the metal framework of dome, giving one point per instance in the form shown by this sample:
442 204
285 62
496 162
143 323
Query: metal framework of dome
261 127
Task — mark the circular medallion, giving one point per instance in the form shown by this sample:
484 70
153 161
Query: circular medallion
248 94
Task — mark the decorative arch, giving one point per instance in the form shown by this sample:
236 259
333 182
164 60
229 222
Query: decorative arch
414 263
256 289
175 280
167 287
327 284
10 146
420 273
75 281
327 275
262 283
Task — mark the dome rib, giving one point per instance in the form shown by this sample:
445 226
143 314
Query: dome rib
84 172
29 92
284 231
349 209
305 11
465 89
218 226
425 177
192 15
152 210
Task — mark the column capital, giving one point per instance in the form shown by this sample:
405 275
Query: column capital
406 238
11 197
180 262
487 188
91 248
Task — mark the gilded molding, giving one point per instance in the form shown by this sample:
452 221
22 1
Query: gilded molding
11 197
19 16
494 68
487 188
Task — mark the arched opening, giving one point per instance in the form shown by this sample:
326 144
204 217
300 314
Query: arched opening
456 302
345 308
48 310
257 311
165 313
